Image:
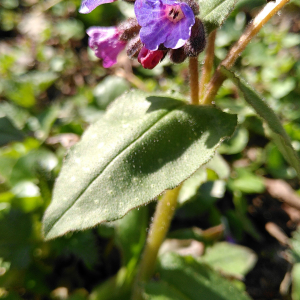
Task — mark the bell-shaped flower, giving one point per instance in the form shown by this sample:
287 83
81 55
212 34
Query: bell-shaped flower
88 5
167 22
149 59
106 44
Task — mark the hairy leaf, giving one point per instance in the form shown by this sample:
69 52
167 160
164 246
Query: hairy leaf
279 135
213 13
183 278
141 147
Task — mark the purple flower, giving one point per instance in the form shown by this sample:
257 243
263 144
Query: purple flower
88 5
106 44
166 22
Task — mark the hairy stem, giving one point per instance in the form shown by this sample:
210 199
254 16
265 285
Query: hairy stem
161 222
259 21
208 63
194 80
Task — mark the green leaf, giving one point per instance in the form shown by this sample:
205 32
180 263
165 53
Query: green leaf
237 143
131 234
191 185
230 258
8 132
15 231
81 244
279 135
213 13
219 165
141 147
109 89
183 278
30 165
246 182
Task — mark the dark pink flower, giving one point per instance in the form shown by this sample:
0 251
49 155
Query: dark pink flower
88 5
149 59
106 44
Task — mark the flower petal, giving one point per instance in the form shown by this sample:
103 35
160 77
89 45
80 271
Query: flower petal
88 5
180 32
147 11
154 34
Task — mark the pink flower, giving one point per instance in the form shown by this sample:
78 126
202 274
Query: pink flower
149 59
106 44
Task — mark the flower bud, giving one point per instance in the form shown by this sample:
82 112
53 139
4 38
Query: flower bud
134 47
149 59
197 41
177 56
129 28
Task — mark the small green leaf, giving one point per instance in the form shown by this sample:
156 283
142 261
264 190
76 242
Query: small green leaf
131 234
109 89
213 13
141 147
219 165
230 258
8 132
183 278
15 231
190 186
279 135
237 143
246 182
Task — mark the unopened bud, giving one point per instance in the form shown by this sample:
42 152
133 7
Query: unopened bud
134 47
177 56
149 59
197 40
129 28
193 5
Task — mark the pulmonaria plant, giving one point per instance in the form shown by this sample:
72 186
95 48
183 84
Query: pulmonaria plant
160 27
150 145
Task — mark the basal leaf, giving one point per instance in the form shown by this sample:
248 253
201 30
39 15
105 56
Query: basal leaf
279 135
183 278
141 147
213 13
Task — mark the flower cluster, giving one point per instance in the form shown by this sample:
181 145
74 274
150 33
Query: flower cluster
161 27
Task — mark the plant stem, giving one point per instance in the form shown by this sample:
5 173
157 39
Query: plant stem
194 80
208 63
259 21
161 222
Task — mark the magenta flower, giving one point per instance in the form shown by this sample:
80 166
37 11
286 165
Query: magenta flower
106 44
166 22
88 5
149 59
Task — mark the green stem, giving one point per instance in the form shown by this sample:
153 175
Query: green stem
194 80
259 21
161 222
208 63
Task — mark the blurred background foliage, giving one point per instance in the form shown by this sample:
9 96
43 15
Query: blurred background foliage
52 87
